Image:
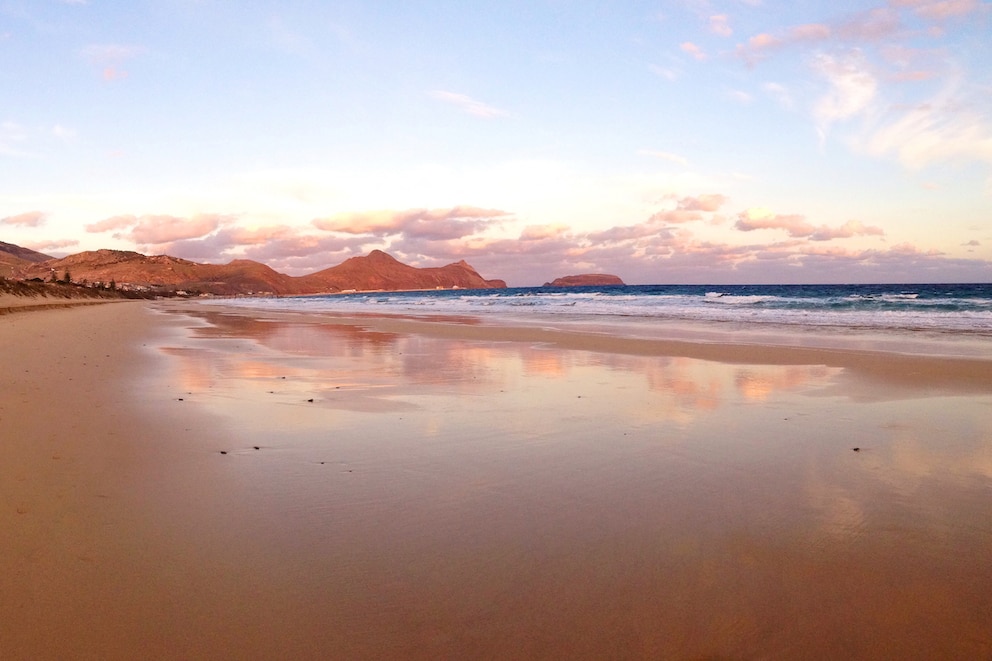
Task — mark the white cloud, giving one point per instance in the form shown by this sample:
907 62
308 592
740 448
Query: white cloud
668 74
468 104
780 93
852 88
63 132
666 156
719 24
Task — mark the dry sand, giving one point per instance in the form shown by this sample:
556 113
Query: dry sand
454 491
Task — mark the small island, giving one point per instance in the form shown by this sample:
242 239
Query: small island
586 280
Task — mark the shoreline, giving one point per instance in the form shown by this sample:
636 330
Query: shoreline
939 372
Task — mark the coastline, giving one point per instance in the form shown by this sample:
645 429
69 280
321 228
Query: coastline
410 488
869 358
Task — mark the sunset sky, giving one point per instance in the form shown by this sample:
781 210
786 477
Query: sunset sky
701 141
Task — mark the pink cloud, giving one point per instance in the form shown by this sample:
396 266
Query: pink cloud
540 232
693 50
162 229
939 11
809 32
26 219
110 58
704 202
846 231
797 226
676 216
112 223
720 24
281 247
453 223
645 253
47 246
871 25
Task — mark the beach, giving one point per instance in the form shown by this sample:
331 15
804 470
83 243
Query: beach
191 481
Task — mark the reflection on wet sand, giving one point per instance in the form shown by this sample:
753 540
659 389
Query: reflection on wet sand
422 496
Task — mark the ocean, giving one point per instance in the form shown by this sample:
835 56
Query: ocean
956 315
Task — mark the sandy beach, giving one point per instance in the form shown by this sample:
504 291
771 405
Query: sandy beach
183 481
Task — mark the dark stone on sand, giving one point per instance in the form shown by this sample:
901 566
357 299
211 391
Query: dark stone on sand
223 451
856 449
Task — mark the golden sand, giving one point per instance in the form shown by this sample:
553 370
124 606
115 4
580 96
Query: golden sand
178 481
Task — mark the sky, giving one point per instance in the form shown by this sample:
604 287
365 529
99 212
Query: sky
669 141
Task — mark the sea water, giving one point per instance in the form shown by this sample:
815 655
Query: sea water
928 314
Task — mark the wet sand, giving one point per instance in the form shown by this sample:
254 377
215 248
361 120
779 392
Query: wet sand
448 490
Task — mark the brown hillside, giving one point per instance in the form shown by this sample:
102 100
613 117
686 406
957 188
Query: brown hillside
377 270
134 271
14 257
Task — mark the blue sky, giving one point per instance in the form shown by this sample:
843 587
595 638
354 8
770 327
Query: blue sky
697 141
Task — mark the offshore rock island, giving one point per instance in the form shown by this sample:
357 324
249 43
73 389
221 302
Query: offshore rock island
586 280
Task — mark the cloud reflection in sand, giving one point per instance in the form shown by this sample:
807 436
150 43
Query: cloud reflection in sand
717 496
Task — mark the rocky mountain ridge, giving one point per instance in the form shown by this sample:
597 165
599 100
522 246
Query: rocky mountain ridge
166 274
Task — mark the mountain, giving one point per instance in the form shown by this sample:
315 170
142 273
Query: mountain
586 280
13 257
377 270
135 271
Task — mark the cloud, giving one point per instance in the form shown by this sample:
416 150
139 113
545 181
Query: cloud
110 58
675 216
664 155
946 129
468 104
761 45
872 25
704 202
852 88
719 24
437 224
940 11
740 97
650 252
26 219
541 232
693 50
669 74
279 246
63 132
160 229
780 93
113 223
796 225
48 246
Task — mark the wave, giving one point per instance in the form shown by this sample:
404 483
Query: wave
942 308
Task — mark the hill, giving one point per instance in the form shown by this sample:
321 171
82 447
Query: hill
586 280
165 274
377 270
13 257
